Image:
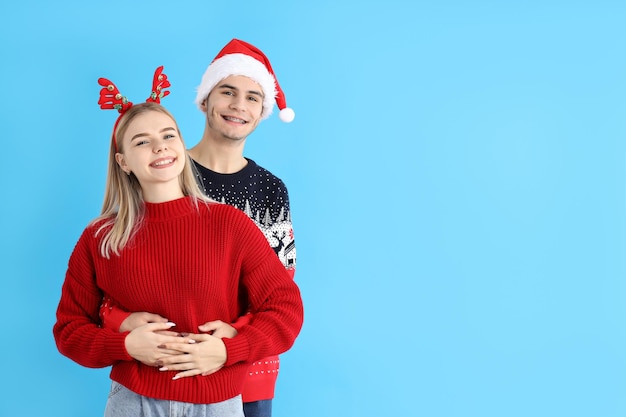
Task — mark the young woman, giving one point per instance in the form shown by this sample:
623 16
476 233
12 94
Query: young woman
161 246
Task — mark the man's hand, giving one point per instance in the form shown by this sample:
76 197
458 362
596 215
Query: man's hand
136 320
218 329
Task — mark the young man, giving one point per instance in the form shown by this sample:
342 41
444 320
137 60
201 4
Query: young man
237 91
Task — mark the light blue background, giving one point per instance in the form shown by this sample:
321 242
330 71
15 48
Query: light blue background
456 171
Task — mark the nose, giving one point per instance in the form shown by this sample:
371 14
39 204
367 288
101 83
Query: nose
159 146
238 103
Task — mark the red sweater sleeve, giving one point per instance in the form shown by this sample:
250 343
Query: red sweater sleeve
241 321
77 332
274 299
112 315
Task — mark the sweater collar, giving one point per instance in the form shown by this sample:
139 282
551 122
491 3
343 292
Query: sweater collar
169 209
245 171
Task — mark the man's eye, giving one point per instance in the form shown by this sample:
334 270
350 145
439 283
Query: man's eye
253 98
170 136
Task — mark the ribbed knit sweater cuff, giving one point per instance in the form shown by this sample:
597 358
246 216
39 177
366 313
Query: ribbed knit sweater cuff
116 347
242 321
236 350
115 318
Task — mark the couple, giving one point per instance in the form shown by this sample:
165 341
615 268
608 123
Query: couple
196 303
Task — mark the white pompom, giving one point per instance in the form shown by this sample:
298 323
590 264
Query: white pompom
287 115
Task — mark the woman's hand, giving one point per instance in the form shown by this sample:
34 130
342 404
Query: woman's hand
204 357
146 343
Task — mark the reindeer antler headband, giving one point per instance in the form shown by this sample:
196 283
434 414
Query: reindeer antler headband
112 99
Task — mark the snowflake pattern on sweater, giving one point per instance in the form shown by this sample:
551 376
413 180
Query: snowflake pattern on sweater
262 196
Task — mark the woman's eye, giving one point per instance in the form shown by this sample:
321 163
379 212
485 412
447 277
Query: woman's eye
170 136
141 142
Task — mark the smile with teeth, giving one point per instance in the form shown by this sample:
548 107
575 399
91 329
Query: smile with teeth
235 120
162 162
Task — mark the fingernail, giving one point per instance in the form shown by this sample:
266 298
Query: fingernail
163 369
169 323
175 377
191 341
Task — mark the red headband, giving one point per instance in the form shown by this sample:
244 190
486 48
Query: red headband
111 98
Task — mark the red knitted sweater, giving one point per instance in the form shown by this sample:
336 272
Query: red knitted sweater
178 258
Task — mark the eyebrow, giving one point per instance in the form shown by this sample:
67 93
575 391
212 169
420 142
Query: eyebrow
140 135
232 87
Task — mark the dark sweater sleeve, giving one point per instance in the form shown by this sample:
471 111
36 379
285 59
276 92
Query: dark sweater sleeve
291 266
274 298
77 332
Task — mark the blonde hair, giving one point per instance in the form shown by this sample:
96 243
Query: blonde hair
122 209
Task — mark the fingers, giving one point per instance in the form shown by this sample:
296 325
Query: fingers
154 318
179 363
195 372
168 352
225 331
138 319
212 371
168 333
179 346
180 375
219 329
155 327
202 358
200 337
210 326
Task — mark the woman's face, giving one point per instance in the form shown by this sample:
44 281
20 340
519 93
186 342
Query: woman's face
154 152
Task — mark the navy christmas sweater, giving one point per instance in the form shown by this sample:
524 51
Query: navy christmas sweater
262 196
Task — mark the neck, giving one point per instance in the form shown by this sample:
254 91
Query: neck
161 195
222 155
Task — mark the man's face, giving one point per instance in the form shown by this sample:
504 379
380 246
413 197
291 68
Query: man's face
234 107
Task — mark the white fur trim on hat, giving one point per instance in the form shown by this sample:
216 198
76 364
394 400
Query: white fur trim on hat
238 64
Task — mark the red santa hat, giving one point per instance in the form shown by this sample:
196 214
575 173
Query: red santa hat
241 58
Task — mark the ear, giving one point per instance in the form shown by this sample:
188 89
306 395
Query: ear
203 105
119 158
